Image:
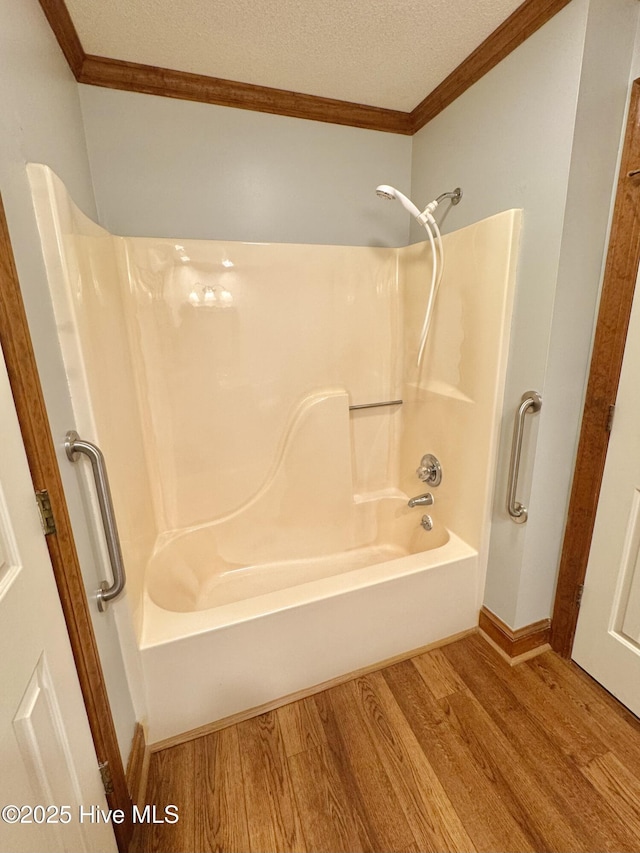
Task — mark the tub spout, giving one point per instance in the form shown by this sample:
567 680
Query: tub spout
422 500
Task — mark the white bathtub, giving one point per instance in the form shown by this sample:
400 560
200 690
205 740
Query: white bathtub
311 622
217 379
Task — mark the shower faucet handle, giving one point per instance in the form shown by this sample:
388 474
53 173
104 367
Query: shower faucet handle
430 470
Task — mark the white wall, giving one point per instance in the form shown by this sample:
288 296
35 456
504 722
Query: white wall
540 131
168 168
40 121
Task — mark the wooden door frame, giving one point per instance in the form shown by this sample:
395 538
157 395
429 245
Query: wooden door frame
621 270
16 344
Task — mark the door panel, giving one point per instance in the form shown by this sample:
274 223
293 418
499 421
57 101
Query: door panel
607 641
43 746
46 751
45 474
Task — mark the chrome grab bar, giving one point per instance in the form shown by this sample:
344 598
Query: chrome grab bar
74 445
531 401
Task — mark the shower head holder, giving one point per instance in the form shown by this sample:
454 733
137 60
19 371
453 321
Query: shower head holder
454 195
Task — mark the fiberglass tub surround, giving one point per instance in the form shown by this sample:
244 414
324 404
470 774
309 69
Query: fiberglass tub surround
265 526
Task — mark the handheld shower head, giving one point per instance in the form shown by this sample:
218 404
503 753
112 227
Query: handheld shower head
435 239
385 191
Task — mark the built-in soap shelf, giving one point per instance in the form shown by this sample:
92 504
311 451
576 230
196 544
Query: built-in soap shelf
444 389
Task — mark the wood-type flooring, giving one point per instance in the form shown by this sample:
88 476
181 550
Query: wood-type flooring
453 750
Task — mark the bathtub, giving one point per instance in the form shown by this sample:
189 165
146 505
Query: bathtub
281 629
262 511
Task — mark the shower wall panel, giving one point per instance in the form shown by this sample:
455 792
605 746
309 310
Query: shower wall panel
230 341
87 298
452 401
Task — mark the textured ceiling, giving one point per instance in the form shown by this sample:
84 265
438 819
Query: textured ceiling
384 53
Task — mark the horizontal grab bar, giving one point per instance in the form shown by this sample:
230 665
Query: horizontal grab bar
75 445
375 405
531 401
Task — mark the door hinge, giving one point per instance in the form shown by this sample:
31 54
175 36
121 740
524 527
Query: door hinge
46 513
579 593
612 410
105 775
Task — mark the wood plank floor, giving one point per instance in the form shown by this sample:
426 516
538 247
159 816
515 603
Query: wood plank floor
450 751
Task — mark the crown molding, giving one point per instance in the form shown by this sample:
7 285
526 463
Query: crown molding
524 22
65 32
151 80
168 83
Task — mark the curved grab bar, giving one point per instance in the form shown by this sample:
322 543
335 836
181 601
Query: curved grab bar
75 445
531 401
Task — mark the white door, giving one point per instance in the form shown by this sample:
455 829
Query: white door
48 766
607 641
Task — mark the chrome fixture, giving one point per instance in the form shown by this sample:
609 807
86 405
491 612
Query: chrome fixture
531 401
427 522
421 500
46 512
391 193
74 445
375 405
455 196
430 470
426 219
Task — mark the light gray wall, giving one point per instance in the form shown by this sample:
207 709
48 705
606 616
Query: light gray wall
40 121
169 168
600 119
540 132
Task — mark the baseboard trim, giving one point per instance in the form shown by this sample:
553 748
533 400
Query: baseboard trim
516 646
224 723
138 767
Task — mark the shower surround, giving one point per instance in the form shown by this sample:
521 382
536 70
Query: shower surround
264 525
